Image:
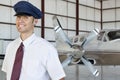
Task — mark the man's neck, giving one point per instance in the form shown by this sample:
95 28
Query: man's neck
25 35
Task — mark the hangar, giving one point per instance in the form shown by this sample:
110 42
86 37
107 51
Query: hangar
77 17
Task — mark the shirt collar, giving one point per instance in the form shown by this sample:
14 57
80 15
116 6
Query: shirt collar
29 40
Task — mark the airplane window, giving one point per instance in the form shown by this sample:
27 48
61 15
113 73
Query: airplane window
114 35
100 36
82 39
76 40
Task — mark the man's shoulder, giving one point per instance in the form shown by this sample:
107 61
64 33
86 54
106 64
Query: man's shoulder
45 43
14 42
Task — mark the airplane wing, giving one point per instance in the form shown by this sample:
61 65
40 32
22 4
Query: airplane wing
104 57
63 43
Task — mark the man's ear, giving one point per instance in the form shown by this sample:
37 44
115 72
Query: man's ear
35 21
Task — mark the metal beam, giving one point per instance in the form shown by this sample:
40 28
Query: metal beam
77 17
43 18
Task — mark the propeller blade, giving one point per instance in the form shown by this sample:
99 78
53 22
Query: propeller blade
90 66
90 37
67 61
58 29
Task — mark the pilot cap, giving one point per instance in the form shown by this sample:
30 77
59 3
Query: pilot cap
24 7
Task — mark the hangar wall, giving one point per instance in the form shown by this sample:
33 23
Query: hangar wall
89 18
111 14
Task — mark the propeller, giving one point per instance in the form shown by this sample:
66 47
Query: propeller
67 61
91 36
90 66
58 29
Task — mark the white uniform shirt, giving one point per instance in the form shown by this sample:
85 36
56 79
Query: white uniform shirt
40 60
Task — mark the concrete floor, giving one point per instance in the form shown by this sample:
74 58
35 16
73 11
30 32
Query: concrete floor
81 73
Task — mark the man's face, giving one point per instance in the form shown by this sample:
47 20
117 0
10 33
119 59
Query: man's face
24 23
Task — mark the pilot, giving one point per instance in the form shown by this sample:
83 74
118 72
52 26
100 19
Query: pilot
39 59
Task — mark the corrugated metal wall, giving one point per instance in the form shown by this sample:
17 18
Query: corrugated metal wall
89 18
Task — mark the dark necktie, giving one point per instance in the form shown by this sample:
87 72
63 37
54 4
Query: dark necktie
17 63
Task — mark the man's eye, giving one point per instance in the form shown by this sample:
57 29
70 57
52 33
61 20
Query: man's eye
25 17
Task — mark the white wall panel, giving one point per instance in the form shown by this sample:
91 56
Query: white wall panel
4 31
97 15
97 4
82 12
6 2
72 0
82 25
4 14
50 6
1 46
118 14
82 33
90 26
37 3
98 26
49 34
71 23
71 33
83 2
5 44
90 14
14 32
37 31
109 4
109 26
90 3
48 20
118 25
61 7
71 10
109 15
12 17
117 3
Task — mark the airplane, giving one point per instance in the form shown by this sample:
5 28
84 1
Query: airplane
105 48
74 52
104 40
99 47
